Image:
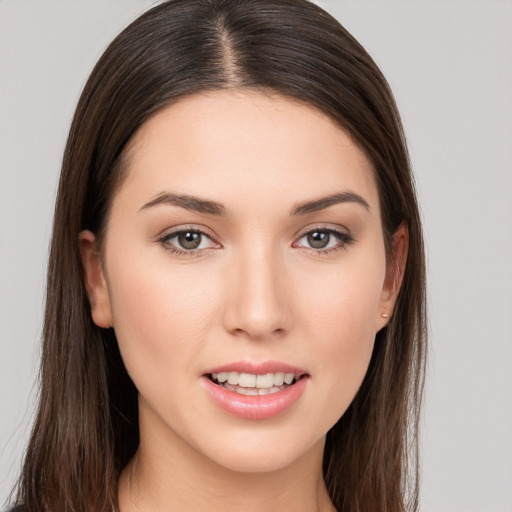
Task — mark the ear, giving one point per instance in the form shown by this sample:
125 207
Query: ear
94 280
395 269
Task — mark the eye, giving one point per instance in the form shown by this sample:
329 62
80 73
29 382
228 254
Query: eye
187 241
324 239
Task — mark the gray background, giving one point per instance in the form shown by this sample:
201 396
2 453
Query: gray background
450 65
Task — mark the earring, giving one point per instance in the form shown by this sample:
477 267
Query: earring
384 315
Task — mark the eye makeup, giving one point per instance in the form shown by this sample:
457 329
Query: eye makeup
188 241
192 241
324 240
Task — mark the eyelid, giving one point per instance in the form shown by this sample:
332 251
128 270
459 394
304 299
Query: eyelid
344 236
323 227
169 233
188 227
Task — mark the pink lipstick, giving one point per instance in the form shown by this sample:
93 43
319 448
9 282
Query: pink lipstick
255 391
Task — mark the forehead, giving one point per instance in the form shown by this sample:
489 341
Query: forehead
248 146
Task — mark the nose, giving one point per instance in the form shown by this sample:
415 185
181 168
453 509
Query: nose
258 298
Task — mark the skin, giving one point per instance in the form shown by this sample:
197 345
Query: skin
255 290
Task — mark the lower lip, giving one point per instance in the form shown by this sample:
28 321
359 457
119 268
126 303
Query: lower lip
255 407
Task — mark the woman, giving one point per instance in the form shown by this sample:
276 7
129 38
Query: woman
235 304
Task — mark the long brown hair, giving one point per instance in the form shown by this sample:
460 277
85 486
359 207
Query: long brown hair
86 429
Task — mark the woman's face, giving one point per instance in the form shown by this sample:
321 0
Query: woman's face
245 241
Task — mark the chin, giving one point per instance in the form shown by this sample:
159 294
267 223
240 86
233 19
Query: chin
246 453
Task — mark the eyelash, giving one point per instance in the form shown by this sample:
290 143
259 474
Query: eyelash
344 240
165 241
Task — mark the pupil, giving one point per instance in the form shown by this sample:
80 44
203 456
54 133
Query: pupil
318 240
189 240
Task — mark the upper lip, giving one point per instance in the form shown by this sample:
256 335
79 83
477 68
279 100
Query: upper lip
257 368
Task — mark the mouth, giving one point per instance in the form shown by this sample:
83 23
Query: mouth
252 384
255 391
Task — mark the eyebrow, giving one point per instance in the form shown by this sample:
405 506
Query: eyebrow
199 205
331 200
188 202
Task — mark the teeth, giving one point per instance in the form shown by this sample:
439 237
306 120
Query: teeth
273 389
288 378
278 379
253 391
247 380
233 378
265 381
246 391
251 381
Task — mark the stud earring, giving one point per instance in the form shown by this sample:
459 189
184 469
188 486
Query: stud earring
384 315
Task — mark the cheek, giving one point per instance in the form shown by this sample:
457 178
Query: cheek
344 302
347 335
160 316
341 319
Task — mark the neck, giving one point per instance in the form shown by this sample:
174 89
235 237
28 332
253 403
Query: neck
167 476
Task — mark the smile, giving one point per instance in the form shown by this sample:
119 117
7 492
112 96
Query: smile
255 392
251 384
